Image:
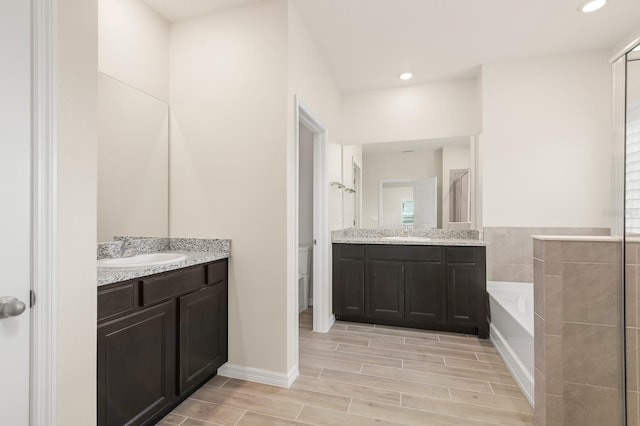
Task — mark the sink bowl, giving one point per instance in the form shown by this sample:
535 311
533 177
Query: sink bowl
142 260
407 238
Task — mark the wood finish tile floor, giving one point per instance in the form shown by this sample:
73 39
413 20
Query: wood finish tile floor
359 374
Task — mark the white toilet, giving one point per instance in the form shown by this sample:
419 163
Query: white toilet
305 273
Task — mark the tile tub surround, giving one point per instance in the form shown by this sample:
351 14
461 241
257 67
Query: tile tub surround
577 328
510 250
439 237
197 251
632 268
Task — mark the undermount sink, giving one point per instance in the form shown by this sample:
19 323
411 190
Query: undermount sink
407 238
142 260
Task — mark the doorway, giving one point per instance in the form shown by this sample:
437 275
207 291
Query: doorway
305 217
409 203
306 122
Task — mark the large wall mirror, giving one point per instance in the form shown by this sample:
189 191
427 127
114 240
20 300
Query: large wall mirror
133 161
422 184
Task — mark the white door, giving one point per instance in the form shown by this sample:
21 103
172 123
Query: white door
15 193
425 203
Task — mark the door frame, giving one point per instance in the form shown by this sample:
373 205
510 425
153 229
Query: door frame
323 317
44 173
357 186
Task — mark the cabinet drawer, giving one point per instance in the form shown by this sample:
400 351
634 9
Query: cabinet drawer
172 284
404 253
349 251
216 272
117 300
461 254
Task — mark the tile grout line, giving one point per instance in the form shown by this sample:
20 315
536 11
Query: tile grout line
472 404
452 416
492 389
299 412
241 417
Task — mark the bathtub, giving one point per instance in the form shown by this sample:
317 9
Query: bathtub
511 330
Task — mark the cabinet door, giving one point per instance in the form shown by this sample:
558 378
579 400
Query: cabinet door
425 295
349 287
386 289
202 334
461 293
136 366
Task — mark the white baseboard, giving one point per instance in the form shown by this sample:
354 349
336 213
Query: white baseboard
332 321
258 375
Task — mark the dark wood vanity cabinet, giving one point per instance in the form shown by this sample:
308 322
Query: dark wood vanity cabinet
432 287
350 274
159 339
202 335
136 356
386 289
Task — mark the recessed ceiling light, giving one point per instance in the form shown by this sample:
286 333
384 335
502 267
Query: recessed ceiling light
591 5
405 76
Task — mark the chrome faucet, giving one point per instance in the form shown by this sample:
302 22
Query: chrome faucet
128 252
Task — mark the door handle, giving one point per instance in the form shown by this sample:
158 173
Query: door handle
11 307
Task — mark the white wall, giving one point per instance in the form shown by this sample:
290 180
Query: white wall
134 46
546 141
426 111
396 166
77 79
229 166
453 157
310 78
305 188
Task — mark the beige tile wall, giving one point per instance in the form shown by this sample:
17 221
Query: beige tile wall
578 339
510 250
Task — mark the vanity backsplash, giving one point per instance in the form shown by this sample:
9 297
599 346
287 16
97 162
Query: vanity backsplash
131 246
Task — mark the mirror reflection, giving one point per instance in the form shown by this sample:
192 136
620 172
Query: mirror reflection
459 201
133 159
421 184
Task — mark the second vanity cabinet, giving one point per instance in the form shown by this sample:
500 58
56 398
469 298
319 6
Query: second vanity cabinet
433 287
159 338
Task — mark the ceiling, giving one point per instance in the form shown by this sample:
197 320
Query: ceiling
367 43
